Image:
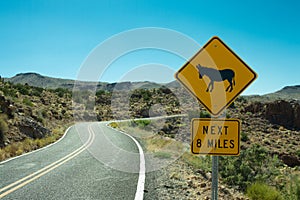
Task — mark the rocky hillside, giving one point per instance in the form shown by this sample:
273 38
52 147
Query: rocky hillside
281 112
38 80
270 129
31 112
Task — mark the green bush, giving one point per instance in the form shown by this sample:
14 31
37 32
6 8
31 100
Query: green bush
61 92
204 162
36 91
146 94
23 89
100 92
198 114
228 115
254 164
244 136
294 188
205 114
261 191
8 91
114 125
142 123
27 102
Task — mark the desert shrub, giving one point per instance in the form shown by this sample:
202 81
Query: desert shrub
41 120
228 115
23 89
198 114
241 99
100 92
36 91
114 125
141 94
12 149
298 153
254 164
58 131
140 123
2 154
27 145
146 94
157 143
144 123
232 105
27 102
244 136
204 162
293 188
205 114
261 191
61 92
8 91
44 113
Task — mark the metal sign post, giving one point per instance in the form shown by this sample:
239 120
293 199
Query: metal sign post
214 178
215 170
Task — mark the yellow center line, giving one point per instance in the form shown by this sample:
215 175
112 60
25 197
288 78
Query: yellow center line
48 168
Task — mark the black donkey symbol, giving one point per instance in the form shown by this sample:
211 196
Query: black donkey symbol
217 75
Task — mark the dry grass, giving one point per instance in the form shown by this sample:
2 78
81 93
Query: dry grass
27 145
197 162
161 147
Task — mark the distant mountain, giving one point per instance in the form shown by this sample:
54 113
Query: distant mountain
286 93
290 90
38 80
173 84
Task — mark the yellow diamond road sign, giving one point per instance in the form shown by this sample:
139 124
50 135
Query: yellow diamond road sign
216 76
216 136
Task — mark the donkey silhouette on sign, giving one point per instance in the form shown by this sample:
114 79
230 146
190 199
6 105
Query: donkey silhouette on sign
217 75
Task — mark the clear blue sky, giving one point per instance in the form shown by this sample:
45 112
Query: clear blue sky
53 37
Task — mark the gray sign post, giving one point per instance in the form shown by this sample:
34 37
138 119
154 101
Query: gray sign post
214 177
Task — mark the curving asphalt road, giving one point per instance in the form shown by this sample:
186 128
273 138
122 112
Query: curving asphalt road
68 170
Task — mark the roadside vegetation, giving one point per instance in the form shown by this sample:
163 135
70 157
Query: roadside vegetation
260 172
28 144
256 173
159 146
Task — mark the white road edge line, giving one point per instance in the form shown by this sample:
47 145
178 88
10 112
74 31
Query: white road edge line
45 147
139 194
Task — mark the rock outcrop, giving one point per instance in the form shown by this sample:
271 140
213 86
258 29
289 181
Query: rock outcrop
290 160
7 106
33 129
281 112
